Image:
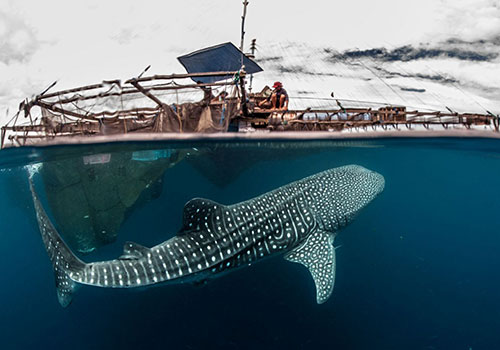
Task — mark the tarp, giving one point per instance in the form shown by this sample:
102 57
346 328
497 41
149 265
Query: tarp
219 58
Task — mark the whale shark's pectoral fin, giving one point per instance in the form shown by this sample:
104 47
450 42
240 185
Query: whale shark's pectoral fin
133 251
318 255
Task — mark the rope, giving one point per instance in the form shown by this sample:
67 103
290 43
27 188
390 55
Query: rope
411 75
382 80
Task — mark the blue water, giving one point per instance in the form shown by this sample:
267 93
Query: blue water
417 269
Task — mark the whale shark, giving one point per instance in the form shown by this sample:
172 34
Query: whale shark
298 221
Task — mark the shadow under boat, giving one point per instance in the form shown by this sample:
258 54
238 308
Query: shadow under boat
91 196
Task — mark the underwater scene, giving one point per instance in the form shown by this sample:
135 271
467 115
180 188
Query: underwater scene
352 244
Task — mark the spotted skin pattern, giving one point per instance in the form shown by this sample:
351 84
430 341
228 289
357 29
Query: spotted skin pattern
299 220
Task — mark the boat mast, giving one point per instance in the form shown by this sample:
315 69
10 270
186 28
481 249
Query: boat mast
242 44
252 56
244 107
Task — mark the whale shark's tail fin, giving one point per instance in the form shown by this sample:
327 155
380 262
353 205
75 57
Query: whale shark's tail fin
63 260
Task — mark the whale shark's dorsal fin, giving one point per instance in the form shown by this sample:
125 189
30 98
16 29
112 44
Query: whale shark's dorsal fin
132 250
196 212
318 255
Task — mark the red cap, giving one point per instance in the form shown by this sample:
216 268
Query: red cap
277 85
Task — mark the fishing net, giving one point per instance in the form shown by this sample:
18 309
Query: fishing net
111 109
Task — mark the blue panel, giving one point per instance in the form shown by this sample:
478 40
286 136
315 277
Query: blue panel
219 58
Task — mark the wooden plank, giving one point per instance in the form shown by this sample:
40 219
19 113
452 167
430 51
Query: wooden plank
155 77
181 76
135 91
147 93
82 88
63 111
4 131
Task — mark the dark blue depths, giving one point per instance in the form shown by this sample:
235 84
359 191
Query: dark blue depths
417 269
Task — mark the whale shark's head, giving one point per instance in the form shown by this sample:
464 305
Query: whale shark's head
363 185
369 182
344 191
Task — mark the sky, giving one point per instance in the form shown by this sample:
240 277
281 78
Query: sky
429 54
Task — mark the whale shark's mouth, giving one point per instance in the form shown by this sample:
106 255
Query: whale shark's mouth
379 180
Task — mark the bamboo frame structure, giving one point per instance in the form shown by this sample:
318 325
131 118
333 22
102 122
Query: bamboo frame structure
329 119
76 119
80 122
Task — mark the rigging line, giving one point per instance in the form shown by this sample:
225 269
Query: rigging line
340 99
414 94
62 108
321 65
458 88
304 60
359 102
13 117
412 76
346 71
291 48
87 112
372 86
382 80
396 64
375 89
369 83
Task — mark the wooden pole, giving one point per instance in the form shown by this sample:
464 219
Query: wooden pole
132 91
4 131
82 88
252 50
182 76
59 110
163 106
146 92
155 77
244 106
47 89
242 47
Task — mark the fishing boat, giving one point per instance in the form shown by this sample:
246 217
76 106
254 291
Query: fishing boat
212 96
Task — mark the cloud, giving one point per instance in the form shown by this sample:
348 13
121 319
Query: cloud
388 74
473 21
410 89
270 59
18 42
302 70
495 40
125 36
409 53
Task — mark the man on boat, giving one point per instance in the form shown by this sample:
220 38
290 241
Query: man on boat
278 99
